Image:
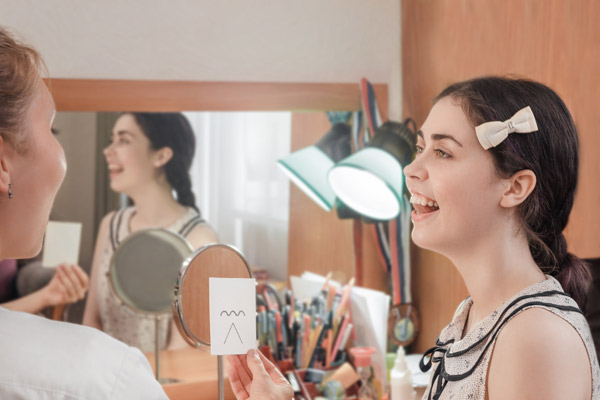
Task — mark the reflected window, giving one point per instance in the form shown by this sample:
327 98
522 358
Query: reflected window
238 186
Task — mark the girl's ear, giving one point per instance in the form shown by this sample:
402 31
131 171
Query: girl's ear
4 173
520 186
162 156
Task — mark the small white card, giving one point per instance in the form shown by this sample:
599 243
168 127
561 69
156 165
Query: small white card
61 243
232 315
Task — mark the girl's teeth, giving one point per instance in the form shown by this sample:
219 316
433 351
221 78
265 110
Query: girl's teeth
423 202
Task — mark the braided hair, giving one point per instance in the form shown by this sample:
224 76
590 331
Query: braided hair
172 130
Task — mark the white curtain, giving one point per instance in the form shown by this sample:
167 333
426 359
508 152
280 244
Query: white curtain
238 186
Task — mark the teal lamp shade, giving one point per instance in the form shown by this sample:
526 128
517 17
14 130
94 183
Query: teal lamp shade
308 167
371 180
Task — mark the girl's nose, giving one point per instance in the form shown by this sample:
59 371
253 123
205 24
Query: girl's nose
107 149
415 170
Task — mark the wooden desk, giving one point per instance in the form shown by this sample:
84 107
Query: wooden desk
197 372
195 369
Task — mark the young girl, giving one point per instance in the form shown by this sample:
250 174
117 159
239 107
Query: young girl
498 159
492 187
149 159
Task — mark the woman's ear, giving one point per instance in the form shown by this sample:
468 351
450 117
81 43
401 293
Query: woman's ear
520 186
162 156
4 173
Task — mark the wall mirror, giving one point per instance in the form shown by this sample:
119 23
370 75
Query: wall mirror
300 105
237 189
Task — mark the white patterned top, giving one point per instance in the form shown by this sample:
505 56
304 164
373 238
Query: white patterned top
460 364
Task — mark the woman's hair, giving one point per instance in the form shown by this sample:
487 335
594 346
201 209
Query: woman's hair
20 67
551 153
172 130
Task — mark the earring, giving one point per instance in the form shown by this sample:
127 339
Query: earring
9 191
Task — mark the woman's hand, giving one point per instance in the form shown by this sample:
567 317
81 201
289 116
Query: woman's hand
254 377
68 285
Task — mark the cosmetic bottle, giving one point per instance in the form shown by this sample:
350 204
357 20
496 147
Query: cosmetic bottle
362 362
400 379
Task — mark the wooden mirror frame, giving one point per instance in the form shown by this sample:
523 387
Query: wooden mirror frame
140 95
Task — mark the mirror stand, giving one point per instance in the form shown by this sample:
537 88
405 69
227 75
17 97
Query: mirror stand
162 381
157 346
220 377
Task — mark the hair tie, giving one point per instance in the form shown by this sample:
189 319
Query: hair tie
491 134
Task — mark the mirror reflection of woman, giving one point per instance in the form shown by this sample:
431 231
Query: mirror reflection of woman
494 199
44 359
148 160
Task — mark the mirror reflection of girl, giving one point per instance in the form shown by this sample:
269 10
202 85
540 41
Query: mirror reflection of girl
498 214
44 359
148 160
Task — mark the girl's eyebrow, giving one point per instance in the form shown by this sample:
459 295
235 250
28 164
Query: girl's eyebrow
122 133
440 136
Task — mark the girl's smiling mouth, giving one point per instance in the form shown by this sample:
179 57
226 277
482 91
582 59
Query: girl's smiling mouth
114 170
423 206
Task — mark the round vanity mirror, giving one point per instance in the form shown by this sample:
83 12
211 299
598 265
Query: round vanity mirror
191 305
191 308
144 270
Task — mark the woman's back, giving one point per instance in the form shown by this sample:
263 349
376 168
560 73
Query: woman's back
44 359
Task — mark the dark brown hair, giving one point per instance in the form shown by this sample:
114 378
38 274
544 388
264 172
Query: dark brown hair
20 66
552 153
172 130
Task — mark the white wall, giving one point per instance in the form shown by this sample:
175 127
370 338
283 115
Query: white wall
215 40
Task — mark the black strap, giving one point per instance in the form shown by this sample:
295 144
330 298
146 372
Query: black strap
117 217
529 296
441 377
114 231
191 224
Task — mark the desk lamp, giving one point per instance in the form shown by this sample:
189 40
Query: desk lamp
308 167
371 180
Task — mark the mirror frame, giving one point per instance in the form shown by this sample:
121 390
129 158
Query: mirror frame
112 272
177 305
145 95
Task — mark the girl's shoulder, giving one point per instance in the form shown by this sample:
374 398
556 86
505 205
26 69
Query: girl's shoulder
195 229
539 354
201 235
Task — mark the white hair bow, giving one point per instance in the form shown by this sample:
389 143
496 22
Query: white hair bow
491 134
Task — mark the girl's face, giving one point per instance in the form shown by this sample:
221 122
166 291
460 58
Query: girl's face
131 161
37 175
455 190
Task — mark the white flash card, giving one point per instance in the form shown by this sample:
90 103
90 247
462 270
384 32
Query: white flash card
232 315
61 243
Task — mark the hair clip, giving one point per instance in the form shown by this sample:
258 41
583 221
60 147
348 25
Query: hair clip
491 134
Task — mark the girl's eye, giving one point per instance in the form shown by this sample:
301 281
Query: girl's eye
419 149
54 131
442 154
